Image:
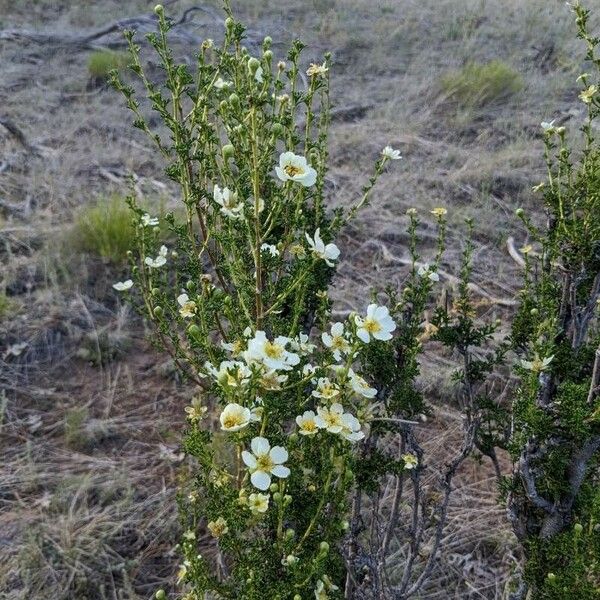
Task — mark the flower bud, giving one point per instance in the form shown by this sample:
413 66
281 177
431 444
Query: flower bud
312 487
267 42
273 487
551 576
578 528
287 500
345 525
234 100
229 23
323 547
533 312
253 65
519 212
194 331
293 438
277 129
155 291
158 311
297 597
159 9
277 497
268 55
223 105
129 253
227 151
190 286
289 534
160 594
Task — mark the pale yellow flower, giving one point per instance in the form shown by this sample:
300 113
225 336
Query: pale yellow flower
218 528
588 94
315 70
439 212
410 461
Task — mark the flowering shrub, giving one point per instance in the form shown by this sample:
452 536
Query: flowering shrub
239 299
554 498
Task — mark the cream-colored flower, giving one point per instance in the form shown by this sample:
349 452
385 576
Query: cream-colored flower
218 528
326 389
221 84
301 345
315 70
360 386
231 373
439 212
188 307
235 417
272 250
377 324
547 126
272 354
410 461
336 340
272 381
351 428
258 503
425 271
309 423
391 154
228 201
189 535
537 365
527 249
293 167
195 411
332 417
148 221
159 261
183 571
264 462
588 94
324 585
328 252
122 286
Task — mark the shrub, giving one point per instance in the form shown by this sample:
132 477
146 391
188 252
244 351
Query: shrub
102 62
553 499
478 84
104 230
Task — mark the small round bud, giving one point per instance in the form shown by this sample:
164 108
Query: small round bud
551 576
190 286
287 500
281 65
277 497
159 9
158 311
234 100
289 534
277 129
273 487
533 312
155 291
345 525
578 527
229 23
519 212
129 253
297 597
160 594
228 151
312 488
194 331
223 105
268 55
267 42
324 547
253 65
293 438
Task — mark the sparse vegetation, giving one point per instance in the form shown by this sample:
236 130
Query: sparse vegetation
102 62
478 84
103 230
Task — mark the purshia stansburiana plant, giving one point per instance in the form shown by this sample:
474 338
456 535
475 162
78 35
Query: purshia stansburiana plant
554 495
240 301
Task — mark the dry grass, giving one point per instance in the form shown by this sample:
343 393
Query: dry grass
90 414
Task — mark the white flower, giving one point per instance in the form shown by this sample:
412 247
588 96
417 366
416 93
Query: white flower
122 286
230 373
548 127
324 585
333 417
308 370
159 261
325 389
258 503
309 423
360 386
258 76
377 324
301 345
537 365
272 250
264 461
272 381
327 252
221 83
234 417
336 341
410 461
351 428
228 200
148 221
188 307
391 154
425 271
272 354
315 70
295 168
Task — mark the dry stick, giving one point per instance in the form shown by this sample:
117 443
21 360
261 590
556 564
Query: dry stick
595 382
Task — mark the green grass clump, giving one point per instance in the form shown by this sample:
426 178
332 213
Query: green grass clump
479 84
5 306
104 230
102 62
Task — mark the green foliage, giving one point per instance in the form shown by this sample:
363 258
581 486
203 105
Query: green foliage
556 438
6 306
104 230
478 84
102 62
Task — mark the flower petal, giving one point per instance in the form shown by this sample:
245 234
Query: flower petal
280 471
260 480
260 445
278 454
249 459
